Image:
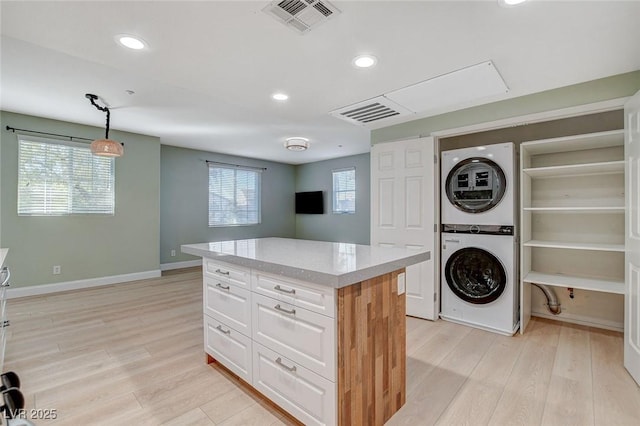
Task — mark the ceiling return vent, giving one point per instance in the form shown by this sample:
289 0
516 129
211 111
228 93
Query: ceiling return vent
458 89
370 111
301 15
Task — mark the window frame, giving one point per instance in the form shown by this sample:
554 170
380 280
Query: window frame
258 194
335 192
70 178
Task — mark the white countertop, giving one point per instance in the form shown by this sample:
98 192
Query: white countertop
3 255
333 264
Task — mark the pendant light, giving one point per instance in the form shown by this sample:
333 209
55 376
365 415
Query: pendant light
104 147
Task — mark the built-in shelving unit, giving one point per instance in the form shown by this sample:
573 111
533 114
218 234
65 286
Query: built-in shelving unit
572 215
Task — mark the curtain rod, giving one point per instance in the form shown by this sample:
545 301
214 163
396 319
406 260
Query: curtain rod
235 165
71 138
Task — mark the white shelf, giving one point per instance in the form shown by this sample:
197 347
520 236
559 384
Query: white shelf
575 246
567 281
575 143
572 187
603 209
608 167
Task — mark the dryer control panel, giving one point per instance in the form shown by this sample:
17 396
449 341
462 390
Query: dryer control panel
478 229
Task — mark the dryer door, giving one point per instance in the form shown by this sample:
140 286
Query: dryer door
475 185
475 275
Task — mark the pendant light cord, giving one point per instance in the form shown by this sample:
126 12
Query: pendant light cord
92 99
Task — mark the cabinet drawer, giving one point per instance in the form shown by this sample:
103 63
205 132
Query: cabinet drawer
313 297
303 336
228 303
233 274
229 347
307 396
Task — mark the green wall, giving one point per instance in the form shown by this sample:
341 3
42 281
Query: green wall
348 228
613 87
184 198
85 246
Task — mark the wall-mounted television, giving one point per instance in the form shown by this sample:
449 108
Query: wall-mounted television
311 202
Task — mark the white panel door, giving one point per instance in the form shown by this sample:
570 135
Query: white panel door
403 213
632 239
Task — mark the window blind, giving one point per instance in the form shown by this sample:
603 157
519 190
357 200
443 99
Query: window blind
234 196
344 191
63 178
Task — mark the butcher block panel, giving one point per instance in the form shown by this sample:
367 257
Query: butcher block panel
371 350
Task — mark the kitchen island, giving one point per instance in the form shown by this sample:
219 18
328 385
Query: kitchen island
316 327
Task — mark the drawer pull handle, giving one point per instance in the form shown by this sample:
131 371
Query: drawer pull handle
283 290
5 281
219 285
223 331
281 364
221 272
291 312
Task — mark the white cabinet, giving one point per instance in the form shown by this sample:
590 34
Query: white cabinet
572 214
228 303
229 347
307 396
297 333
5 276
305 295
229 273
277 334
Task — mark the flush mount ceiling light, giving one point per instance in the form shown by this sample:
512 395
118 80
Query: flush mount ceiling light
104 147
280 96
297 144
131 42
364 61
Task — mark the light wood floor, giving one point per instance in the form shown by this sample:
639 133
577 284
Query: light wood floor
132 355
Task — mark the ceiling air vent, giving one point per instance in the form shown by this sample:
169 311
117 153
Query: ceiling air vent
301 15
370 111
458 89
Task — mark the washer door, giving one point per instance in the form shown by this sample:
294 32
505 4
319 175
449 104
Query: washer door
475 275
475 185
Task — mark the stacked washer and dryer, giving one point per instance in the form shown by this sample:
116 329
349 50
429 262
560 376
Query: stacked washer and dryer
479 285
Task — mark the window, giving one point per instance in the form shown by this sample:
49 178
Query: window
57 178
234 196
344 191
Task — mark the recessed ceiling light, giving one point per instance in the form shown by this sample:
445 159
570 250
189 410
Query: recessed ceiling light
364 61
131 42
280 96
510 2
297 144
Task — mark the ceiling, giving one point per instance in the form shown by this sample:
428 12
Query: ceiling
207 77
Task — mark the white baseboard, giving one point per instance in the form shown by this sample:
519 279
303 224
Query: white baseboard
36 290
180 265
582 320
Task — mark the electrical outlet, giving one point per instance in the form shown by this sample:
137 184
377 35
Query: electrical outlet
173 253
57 269
401 284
